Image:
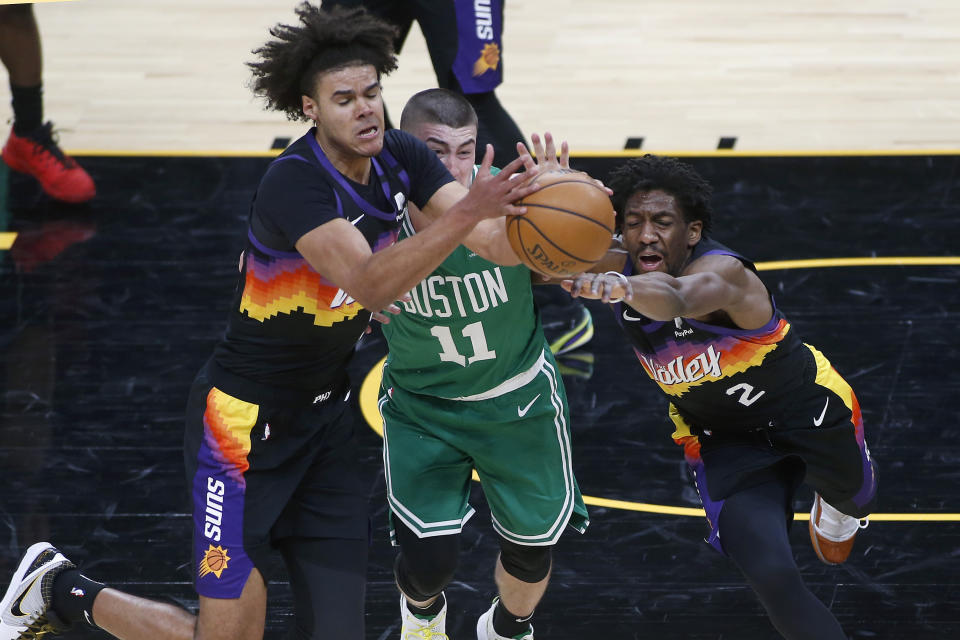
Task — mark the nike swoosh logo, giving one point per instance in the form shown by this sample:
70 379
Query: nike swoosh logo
818 421
357 219
15 610
630 318
523 412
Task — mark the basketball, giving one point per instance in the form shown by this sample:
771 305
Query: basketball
567 227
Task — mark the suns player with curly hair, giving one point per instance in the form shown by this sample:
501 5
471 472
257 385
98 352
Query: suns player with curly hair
757 411
269 448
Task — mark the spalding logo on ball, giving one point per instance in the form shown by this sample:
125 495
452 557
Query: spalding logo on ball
567 227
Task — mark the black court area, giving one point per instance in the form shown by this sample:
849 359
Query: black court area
108 311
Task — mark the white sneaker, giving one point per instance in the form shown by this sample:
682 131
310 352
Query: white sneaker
832 532
485 627
414 628
24 607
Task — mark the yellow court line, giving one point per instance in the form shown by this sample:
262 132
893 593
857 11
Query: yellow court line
629 153
6 239
781 153
859 262
370 389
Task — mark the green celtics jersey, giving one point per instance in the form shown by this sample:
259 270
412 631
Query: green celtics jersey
470 326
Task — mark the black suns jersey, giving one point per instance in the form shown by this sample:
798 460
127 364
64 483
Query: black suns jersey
719 377
289 326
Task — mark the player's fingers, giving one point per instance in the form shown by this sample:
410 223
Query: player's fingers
518 190
565 155
551 149
610 291
513 210
573 285
514 165
596 286
487 161
538 148
529 164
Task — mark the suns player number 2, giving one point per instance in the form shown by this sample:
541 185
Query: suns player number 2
478 341
745 390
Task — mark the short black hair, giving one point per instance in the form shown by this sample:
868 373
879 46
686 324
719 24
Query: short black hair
324 39
679 179
438 106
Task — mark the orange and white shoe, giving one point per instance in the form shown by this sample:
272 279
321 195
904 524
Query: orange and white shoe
832 532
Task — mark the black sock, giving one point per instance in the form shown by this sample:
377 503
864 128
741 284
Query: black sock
73 596
428 612
27 108
507 624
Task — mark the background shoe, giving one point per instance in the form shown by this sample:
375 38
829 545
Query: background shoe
485 626
832 532
23 610
38 154
570 332
414 628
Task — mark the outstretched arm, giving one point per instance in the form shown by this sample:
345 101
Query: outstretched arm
711 284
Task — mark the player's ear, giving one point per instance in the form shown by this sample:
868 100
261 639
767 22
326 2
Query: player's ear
694 231
310 107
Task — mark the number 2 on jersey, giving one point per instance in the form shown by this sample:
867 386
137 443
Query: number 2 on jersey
478 341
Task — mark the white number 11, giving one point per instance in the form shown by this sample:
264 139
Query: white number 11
478 341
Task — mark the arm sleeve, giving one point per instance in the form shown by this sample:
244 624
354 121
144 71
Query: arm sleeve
293 198
427 173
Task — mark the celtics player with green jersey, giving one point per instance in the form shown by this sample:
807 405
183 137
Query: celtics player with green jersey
470 383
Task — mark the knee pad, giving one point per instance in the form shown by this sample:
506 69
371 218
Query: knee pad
525 562
424 566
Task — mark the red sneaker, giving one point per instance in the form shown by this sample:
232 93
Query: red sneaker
59 175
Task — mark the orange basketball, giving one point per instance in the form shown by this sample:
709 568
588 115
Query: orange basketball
567 227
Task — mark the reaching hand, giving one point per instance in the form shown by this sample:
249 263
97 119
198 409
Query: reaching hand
496 195
383 317
610 287
547 159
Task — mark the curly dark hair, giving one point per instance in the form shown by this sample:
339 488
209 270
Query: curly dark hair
679 179
324 39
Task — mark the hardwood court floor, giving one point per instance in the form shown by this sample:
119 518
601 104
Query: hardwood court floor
792 74
108 310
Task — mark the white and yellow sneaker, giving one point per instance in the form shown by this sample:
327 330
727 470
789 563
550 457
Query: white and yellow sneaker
23 610
832 532
416 628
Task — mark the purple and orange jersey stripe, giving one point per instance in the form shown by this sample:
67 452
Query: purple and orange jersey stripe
287 284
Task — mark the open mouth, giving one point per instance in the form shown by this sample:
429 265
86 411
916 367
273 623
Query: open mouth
650 261
369 132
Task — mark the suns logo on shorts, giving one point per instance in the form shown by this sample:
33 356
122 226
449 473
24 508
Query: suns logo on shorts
214 561
489 59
